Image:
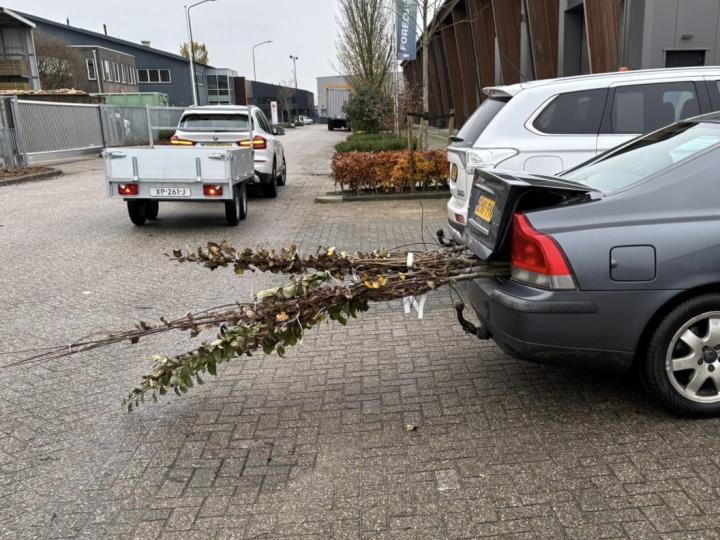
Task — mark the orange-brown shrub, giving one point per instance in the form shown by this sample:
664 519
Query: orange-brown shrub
390 171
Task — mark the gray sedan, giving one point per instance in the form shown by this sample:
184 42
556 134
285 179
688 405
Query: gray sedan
615 264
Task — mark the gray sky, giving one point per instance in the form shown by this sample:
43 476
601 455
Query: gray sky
304 28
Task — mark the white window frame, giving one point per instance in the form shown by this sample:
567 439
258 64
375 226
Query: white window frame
107 70
169 74
116 72
91 62
123 74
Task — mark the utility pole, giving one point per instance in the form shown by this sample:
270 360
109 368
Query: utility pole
295 59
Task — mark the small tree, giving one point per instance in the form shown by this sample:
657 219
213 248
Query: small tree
59 65
200 49
286 95
368 108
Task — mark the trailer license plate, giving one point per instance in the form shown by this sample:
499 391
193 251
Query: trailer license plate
485 208
170 192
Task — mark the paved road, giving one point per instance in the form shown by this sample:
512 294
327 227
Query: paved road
311 446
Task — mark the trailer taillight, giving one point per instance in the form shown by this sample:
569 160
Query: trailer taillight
181 142
537 259
259 143
210 190
128 189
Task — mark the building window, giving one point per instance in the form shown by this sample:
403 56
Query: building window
107 70
131 75
116 72
91 72
123 74
159 76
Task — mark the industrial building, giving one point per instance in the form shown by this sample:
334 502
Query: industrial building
480 43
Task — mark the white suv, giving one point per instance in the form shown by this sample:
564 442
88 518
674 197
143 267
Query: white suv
548 126
228 125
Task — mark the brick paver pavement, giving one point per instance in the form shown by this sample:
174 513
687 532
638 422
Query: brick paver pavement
311 446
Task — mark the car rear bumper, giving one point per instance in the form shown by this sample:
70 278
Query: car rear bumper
561 327
455 209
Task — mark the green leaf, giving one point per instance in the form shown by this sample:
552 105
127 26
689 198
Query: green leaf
212 368
239 270
268 347
184 376
281 351
177 389
163 390
199 380
342 320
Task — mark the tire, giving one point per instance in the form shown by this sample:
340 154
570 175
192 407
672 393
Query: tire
330 126
137 209
270 189
153 209
282 179
682 363
236 210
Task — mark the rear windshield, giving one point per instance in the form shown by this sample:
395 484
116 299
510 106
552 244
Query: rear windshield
646 156
480 119
215 122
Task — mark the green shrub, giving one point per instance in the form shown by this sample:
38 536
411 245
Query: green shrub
368 108
372 142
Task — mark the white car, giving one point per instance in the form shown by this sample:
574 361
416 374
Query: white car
228 125
305 120
552 125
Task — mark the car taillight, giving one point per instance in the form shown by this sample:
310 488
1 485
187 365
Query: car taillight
128 189
537 259
460 219
259 143
210 190
181 142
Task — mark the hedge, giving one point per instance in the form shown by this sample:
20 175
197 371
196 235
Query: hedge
372 142
390 171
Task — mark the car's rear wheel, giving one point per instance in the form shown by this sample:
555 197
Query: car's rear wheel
282 179
270 189
236 210
137 210
153 209
682 364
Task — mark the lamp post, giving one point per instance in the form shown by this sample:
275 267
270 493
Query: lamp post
294 60
192 48
253 52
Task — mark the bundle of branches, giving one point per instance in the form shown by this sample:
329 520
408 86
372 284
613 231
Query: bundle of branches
340 287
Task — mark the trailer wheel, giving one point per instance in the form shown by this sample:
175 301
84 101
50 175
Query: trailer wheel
137 209
236 210
153 209
330 125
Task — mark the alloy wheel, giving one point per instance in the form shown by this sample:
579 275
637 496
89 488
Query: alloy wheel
692 362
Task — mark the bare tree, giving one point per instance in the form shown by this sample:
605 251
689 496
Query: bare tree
59 65
286 95
200 50
364 43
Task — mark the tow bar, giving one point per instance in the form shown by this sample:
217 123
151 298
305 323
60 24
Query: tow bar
480 331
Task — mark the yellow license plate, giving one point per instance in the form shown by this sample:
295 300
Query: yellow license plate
453 172
485 208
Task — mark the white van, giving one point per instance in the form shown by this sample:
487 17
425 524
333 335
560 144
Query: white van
551 125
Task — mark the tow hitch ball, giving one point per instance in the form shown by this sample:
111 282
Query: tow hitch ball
470 328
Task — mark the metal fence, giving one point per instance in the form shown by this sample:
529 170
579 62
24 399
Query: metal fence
45 131
9 152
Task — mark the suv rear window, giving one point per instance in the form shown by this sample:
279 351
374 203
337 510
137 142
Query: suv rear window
574 113
480 119
215 122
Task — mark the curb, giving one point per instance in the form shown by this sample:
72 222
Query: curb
30 177
445 194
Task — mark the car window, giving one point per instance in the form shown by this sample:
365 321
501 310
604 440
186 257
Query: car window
574 113
214 122
262 122
480 119
646 107
646 156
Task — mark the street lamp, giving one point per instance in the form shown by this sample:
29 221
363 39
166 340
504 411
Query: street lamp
294 60
253 51
192 48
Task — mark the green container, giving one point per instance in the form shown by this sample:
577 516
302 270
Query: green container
136 99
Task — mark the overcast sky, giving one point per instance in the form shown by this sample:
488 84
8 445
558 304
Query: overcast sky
304 28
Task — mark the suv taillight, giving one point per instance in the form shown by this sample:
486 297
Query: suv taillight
259 143
181 142
537 259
